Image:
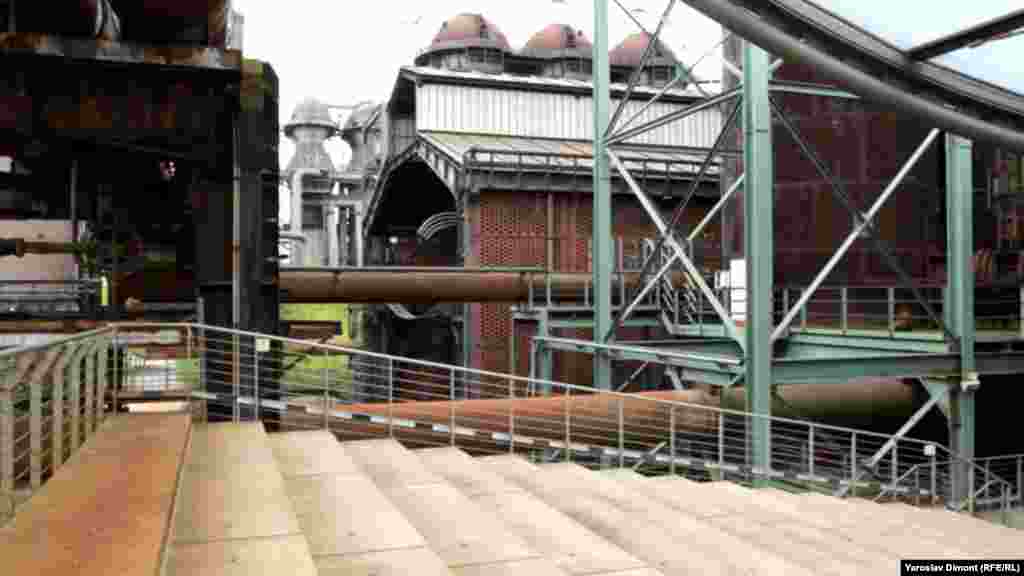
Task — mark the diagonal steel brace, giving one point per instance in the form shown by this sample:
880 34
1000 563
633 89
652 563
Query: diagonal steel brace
676 216
853 235
652 43
669 236
839 191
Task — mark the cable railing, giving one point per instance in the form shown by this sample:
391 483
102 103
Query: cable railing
54 395
960 484
49 297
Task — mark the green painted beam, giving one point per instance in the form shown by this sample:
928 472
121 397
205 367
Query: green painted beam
603 257
960 300
758 236
868 342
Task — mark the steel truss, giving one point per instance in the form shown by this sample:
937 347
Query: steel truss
765 354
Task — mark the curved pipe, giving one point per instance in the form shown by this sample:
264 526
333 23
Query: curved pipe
771 38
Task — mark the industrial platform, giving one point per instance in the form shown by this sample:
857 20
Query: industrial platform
155 490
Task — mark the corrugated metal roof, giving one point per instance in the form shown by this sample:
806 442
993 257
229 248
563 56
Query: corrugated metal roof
543 153
538 82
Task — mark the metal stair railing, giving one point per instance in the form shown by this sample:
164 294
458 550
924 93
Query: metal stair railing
295 384
358 393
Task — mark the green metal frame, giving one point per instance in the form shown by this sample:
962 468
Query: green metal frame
763 354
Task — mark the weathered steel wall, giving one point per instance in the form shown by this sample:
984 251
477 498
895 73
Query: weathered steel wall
863 146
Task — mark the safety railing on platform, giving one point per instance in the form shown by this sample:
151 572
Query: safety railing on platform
960 484
895 309
51 401
53 396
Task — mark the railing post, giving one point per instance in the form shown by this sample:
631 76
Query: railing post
672 439
257 342
935 473
803 316
327 392
853 465
988 475
512 416
810 451
568 433
895 463
76 397
890 297
622 433
844 305
1020 480
785 302
115 385
90 389
721 444
57 410
103 376
35 429
970 487
7 383
391 397
917 486
451 404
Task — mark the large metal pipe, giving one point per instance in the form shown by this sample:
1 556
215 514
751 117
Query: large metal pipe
761 31
422 286
867 402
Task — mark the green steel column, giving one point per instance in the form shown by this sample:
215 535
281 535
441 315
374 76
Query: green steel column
758 238
603 249
960 294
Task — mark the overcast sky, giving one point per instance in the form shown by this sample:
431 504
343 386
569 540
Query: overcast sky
348 52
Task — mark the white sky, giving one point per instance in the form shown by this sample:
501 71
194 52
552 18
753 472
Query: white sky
347 52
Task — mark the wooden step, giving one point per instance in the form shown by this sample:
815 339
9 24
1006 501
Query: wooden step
735 555
351 526
233 514
106 511
635 534
572 547
462 533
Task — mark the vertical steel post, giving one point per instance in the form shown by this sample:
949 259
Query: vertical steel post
391 398
1020 480
758 236
327 392
511 417
35 428
622 433
603 248
960 296
844 312
90 389
810 450
853 465
568 424
8 380
451 403
890 298
57 409
935 473
672 439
